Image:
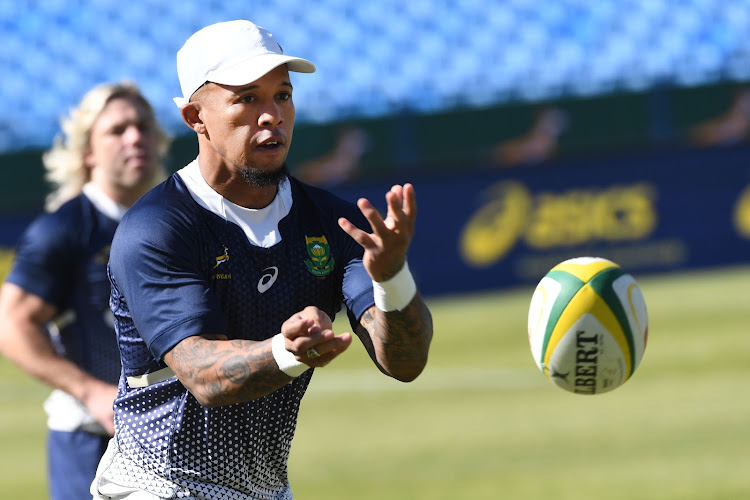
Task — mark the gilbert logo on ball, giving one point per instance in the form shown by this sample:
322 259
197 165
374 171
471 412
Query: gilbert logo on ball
587 325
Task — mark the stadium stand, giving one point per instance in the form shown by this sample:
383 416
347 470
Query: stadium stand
375 58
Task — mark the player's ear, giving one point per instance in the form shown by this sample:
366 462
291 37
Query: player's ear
190 113
88 157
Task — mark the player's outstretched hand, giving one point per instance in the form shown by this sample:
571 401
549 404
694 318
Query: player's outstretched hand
310 338
386 247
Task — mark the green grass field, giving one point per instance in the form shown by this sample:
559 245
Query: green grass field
483 422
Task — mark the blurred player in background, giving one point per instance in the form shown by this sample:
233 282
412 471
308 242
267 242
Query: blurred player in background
224 282
55 320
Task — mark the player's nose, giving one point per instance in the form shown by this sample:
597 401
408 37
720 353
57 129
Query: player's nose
271 115
133 134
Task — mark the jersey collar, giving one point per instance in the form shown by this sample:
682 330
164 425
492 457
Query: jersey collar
260 225
103 203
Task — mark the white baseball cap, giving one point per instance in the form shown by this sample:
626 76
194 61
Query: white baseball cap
231 53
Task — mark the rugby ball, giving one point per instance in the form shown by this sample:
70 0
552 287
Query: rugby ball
588 325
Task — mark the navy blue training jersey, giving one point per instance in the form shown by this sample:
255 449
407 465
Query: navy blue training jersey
177 270
62 258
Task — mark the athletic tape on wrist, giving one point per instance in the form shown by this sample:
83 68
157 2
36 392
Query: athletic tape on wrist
396 293
285 359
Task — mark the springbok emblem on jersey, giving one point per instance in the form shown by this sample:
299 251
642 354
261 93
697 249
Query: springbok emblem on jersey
320 262
222 258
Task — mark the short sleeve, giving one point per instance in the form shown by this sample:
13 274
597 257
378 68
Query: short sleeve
154 263
44 260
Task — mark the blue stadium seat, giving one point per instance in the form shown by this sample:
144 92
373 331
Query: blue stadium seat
431 56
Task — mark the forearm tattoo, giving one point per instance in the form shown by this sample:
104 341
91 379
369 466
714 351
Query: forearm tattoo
398 341
220 372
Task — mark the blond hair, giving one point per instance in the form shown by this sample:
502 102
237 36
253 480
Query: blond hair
64 163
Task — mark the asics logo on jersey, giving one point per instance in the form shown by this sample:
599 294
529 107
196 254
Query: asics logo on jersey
222 258
268 279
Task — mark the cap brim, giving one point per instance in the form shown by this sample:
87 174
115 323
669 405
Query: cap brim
251 69
254 68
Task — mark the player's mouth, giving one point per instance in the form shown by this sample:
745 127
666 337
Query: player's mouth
139 159
271 145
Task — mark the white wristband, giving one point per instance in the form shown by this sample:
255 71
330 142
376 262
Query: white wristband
396 293
285 359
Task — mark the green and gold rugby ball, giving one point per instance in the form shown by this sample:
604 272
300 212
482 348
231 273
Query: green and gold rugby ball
588 325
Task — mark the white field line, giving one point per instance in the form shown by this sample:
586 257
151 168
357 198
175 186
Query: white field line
433 379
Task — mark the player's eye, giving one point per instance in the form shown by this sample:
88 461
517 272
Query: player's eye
247 98
145 126
285 96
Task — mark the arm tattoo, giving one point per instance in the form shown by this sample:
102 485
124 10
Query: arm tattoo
219 372
398 341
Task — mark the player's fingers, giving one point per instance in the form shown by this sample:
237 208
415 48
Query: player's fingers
409 204
327 351
363 238
314 337
372 215
395 214
402 208
296 326
318 316
301 323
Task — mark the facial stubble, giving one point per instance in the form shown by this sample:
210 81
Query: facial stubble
257 178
